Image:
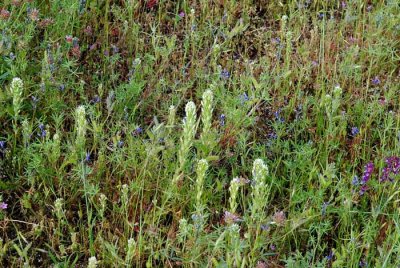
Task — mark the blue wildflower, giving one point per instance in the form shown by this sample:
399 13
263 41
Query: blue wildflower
392 168
115 49
265 227
354 131
329 257
225 74
355 181
87 157
96 99
43 132
243 98
278 117
363 263
137 131
3 145
222 120
376 81
34 101
272 135
368 169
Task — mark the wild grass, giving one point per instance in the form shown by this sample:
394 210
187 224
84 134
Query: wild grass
199 133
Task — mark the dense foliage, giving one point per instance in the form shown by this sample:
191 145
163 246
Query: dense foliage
204 133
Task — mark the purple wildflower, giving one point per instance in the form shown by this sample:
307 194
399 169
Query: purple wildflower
3 145
376 81
354 131
368 169
265 227
222 120
343 4
278 116
392 168
363 263
3 206
329 257
96 99
87 157
115 49
272 247
369 8
34 101
43 132
137 131
225 74
243 98
93 46
363 189
272 135
182 14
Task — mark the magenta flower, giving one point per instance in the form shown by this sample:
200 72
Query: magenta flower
368 169
392 168
3 206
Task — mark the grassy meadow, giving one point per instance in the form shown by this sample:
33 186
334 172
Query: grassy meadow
204 133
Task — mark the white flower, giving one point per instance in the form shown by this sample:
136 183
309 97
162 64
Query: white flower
92 262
